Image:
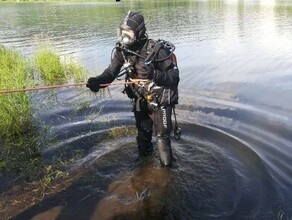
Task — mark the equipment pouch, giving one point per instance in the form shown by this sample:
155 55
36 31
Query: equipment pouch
167 96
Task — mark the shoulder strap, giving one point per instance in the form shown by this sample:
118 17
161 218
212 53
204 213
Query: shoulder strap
154 50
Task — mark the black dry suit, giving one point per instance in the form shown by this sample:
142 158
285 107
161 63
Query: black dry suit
152 101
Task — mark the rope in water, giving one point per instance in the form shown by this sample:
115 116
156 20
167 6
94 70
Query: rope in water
10 91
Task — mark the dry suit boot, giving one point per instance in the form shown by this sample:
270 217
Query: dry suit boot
164 149
145 147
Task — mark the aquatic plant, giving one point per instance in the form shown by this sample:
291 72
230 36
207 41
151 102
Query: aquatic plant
20 135
18 151
21 157
122 131
75 72
53 71
15 111
49 65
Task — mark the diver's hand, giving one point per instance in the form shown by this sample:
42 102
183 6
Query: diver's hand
93 83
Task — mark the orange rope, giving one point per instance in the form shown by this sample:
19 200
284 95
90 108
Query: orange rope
65 85
40 88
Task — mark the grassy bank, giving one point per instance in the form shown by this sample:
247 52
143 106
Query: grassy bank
18 146
15 109
19 131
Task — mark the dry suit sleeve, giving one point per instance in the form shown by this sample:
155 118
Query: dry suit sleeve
113 70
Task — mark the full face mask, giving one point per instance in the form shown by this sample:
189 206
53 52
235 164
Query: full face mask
132 29
126 37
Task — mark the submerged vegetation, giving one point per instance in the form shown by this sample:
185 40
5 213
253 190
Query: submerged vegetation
122 131
20 134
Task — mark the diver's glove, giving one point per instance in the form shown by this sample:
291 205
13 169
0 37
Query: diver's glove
93 83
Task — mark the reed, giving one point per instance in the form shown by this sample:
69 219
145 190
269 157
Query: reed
20 134
15 111
18 145
53 71
49 66
75 72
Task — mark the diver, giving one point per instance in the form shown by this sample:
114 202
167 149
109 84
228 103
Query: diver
151 81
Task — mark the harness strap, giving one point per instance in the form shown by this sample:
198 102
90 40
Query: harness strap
149 59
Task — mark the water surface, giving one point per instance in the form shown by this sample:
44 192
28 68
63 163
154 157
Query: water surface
234 158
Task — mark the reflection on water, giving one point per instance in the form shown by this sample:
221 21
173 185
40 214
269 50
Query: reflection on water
137 194
235 59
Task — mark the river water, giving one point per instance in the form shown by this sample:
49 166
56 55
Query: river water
234 158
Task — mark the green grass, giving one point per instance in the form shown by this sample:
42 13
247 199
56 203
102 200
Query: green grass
15 111
20 134
75 72
16 73
18 149
49 65
21 157
53 71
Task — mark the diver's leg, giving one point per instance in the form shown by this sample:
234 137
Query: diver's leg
144 126
163 127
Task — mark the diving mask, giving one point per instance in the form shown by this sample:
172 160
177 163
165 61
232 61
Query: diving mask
126 37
